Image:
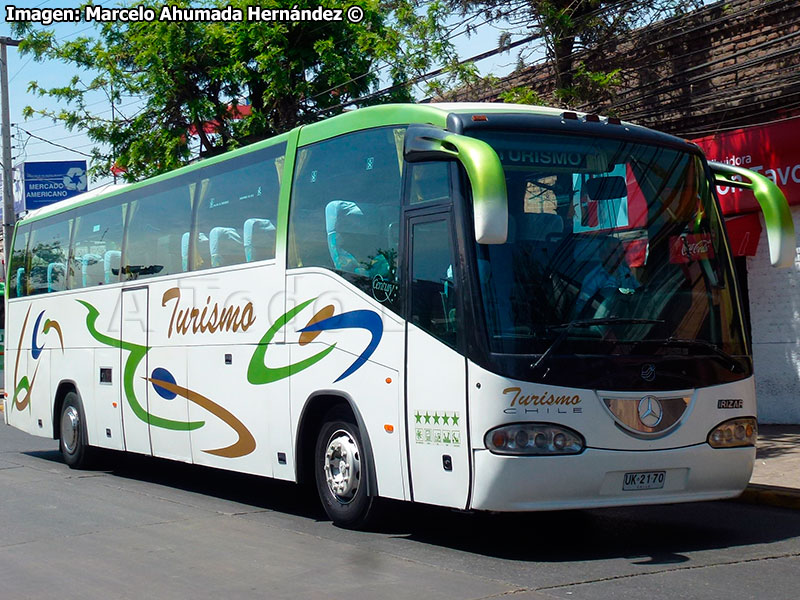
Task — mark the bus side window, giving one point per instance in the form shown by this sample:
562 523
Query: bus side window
345 210
49 244
237 211
19 262
429 182
156 224
96 246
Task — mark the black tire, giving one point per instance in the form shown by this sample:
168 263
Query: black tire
340 468
72 434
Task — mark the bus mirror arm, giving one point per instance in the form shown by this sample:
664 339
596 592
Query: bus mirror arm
484 170
777 216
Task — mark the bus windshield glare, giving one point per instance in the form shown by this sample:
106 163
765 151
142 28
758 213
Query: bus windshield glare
613 247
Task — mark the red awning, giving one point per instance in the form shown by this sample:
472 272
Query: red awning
744 232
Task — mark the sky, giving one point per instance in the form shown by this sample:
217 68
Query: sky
40 139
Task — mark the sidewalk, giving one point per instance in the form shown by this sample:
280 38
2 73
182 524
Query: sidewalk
776 475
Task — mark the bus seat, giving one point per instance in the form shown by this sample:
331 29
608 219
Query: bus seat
225 246
341 215
355 236
259 239
92 270
56 277
201 250
21 282
111 265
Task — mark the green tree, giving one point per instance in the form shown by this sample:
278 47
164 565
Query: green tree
575 35
191 78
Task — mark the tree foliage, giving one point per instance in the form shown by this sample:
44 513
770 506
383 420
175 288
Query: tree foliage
187 81
576 34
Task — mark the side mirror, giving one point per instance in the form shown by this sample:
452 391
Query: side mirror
777 216
486 177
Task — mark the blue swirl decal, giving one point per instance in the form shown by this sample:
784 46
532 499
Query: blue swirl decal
357 319
36 350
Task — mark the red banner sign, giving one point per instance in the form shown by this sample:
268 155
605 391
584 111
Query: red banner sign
771 150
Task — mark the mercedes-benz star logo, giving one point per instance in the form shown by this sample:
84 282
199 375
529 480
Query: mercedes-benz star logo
650 411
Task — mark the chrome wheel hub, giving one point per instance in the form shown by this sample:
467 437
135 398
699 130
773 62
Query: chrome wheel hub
342 466
70 427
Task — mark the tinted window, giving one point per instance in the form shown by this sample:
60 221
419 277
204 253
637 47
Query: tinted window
345 212
429 182
49 249
96 247
17 276
157 225
237 210
433 284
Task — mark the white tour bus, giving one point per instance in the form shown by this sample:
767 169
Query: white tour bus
479 306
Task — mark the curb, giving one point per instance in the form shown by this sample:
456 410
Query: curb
771 495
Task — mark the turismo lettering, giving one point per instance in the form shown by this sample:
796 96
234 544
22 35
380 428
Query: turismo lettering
535 157
532 403
212 318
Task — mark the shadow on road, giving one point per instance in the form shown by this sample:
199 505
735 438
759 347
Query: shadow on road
647 535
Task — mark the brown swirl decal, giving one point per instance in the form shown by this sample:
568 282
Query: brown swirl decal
244 445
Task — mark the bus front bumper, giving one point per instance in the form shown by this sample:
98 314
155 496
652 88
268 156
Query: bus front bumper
597 478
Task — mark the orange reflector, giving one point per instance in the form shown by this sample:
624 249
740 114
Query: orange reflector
388 380
480 118
114 404
389 428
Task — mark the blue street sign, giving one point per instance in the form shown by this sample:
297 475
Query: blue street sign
48 182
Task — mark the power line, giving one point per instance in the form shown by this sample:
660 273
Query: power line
55 144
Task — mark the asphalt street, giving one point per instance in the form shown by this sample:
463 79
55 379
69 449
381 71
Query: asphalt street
147 528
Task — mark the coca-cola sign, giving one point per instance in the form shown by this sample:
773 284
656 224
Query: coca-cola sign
690 247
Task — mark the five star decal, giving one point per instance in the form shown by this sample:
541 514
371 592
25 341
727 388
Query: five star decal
437 427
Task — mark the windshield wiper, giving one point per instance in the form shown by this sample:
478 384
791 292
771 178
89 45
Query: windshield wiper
586 323
715 350
607 321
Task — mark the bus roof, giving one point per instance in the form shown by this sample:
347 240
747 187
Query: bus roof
434 113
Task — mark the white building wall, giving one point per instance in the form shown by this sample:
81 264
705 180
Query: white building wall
775 320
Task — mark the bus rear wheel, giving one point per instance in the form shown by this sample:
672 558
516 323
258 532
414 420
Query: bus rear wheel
340 469
72 433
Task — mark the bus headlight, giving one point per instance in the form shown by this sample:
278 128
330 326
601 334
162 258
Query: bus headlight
525 439
734 433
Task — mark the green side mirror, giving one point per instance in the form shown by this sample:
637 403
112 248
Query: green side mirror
777 216
486 177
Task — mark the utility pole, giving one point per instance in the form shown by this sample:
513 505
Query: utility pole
9 216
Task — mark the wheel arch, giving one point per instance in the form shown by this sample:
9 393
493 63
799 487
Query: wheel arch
311 420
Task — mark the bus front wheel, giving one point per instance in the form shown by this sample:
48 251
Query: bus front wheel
73 440
340 469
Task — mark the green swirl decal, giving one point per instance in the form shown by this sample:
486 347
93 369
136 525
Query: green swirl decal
259 373
137 353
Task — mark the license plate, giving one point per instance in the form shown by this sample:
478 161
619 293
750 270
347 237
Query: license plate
644 480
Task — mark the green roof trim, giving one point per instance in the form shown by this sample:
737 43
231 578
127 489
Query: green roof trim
373 116
49 212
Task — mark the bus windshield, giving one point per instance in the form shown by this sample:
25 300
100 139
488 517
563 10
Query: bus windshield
614 247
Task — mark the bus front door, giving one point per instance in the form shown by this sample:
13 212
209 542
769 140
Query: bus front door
436 408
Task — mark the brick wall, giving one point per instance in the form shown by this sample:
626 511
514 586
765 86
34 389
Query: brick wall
729 64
